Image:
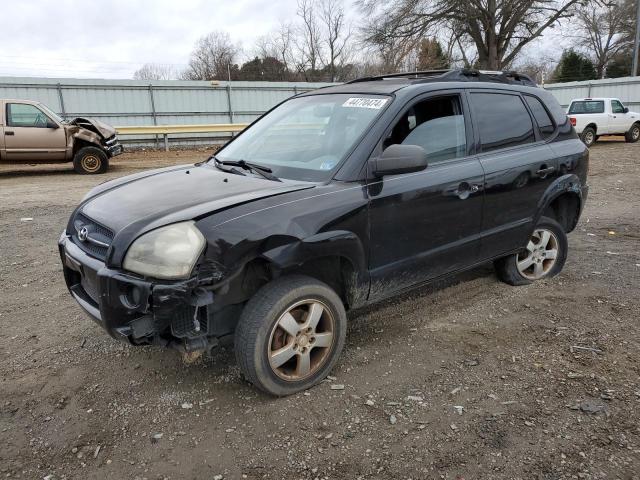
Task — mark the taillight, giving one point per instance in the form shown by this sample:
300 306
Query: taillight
573 121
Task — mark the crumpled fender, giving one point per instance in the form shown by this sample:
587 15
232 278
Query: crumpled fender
335 243
74 132
338 243
94 126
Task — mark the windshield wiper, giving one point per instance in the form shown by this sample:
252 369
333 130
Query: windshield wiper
219 166
264 172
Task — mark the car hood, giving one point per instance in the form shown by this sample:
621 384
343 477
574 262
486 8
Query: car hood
138 203
102 129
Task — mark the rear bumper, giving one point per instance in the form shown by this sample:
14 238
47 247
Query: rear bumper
132 309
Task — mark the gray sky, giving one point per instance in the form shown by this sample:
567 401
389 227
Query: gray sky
112 38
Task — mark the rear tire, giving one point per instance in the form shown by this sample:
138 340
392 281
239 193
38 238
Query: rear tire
290 335
633 135
543 256
90 160
588 136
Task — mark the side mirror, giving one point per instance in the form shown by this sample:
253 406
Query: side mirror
51 124
625 110
397 159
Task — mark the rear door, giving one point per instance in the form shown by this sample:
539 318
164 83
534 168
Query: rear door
426 224
29 134
519 165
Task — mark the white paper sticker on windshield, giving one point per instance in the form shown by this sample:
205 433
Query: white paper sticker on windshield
375 103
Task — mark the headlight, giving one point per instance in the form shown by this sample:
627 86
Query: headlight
169 252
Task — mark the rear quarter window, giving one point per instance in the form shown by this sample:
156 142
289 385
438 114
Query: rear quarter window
587 106
545 124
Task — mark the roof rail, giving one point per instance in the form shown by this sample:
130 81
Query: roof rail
461 75
414 75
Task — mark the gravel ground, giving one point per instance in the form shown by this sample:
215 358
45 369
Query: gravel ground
468 379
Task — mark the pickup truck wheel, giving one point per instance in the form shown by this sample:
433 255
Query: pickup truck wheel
588 136
90 160
543 257
633 135
290 335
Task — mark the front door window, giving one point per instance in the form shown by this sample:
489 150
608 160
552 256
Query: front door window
616 107
25 115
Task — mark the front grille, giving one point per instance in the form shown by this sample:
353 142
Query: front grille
111 141
97 240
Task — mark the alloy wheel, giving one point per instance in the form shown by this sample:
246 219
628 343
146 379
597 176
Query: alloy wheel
540 255
589 138
301 340
635 133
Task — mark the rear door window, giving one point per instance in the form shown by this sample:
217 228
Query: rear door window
587 106
503 120
545 124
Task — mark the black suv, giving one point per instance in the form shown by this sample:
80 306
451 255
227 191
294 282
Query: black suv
332 200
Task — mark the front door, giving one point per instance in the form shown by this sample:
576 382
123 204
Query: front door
619 122
30 135
426 224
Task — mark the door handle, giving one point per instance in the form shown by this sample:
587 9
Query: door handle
543 172
465 189
9 133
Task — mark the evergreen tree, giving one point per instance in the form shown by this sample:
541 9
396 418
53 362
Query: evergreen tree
431 56
574 67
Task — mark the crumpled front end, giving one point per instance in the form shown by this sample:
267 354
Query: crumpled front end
96 132
178 314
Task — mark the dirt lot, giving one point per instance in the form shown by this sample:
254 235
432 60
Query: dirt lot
472 379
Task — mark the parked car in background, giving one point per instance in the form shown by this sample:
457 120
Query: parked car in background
31 133
335 199
594 117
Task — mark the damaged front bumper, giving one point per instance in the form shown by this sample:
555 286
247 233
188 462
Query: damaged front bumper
113 147
137 310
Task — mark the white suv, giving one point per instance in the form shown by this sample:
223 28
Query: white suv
593 117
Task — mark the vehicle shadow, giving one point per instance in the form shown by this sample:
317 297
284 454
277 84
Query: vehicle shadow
225 353
35 171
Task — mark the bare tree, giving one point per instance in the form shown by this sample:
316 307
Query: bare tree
336 38
601 32
213 58
307 40
278 44
155 71
499 29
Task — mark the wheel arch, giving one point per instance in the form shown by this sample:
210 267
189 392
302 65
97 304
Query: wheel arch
591 125
562 201
336 258
83 139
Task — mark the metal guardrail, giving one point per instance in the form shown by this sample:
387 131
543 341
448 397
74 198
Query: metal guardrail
166 130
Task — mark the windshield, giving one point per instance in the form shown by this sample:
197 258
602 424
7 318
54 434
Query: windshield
51 114
306 138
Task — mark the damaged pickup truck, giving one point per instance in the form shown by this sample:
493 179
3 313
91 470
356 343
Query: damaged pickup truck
334 199
31 133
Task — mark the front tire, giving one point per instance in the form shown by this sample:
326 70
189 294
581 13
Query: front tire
90 160
543 256
633 135
588 136
290 335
